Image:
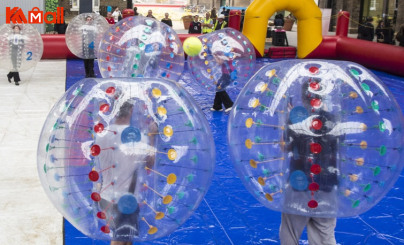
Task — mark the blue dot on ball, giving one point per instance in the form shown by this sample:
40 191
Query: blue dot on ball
298 180
130 134
127 204
298 114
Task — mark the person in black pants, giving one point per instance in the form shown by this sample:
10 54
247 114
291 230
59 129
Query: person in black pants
221 96
16 42
88 46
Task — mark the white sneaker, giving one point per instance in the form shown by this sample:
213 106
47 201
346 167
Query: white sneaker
213 109
228 109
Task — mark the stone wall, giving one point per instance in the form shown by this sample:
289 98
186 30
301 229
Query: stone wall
400 14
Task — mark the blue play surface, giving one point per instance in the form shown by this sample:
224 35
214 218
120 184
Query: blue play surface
230 215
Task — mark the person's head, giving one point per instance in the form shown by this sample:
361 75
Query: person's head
117 9
166 15
196 18
89 18
369 19
150 12
109 14
135 9
207 15
220 18
16 28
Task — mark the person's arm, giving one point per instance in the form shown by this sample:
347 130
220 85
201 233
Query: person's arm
210 25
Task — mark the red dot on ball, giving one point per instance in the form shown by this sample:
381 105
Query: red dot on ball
315 102
314 186
93 175
95 150
109 48
315 148
107 58
315 169
109 68
110 90
168 75
98 128
313 70
317 124
312 204
104 108
101 215
95 197
314 86
105 229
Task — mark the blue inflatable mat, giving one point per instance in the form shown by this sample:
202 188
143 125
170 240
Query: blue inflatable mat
230 215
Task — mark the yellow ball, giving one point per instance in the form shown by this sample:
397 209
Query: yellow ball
192 46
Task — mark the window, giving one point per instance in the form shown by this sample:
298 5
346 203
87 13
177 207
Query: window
76 5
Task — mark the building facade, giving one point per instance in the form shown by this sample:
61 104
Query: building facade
388 10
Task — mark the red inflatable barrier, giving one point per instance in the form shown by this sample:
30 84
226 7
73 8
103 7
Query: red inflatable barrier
379 56
55 47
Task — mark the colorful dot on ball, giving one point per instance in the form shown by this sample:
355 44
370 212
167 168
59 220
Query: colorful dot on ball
192 46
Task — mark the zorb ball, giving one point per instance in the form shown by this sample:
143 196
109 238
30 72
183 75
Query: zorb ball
21 47
84 33
317 138
226 60
141 47
126 159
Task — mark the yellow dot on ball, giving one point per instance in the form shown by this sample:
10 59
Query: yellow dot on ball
192 46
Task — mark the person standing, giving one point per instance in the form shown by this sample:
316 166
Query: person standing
207 24
213 15
220 24
135 11
128 164
242 20
366 31
116 15
195 27
109 18
312 154
221 96
150 14
384 33
400 36
60 28
167 20
88 46
16 42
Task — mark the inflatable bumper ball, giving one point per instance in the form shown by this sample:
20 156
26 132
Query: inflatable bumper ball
125 159
21 47
84 33
317 138
141 47
225 53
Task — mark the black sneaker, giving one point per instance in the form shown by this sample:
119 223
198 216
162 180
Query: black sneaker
9 79
17 84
